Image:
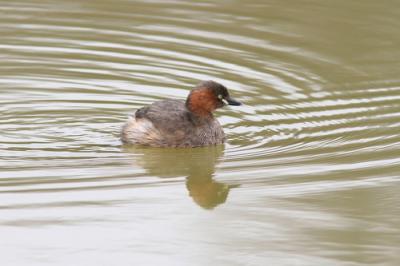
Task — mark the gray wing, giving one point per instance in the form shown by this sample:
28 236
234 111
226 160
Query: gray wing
170 117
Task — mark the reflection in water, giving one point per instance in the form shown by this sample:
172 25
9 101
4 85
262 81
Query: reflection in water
197 165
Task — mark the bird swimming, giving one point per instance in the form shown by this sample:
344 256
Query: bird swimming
176 123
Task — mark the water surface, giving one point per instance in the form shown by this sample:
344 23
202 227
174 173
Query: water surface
310 174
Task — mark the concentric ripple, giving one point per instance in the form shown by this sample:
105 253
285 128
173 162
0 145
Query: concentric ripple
321 123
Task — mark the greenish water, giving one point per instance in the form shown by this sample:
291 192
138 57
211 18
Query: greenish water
310 174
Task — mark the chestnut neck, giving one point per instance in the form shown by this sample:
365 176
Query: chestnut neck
201 102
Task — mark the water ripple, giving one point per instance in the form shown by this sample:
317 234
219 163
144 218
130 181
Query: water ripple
320 119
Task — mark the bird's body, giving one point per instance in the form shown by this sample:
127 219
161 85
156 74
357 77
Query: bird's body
175 123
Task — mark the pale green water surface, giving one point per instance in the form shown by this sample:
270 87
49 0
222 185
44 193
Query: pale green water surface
311 171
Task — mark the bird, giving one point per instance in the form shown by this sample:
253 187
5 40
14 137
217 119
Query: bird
177 123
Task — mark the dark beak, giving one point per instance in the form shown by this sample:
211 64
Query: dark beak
232 101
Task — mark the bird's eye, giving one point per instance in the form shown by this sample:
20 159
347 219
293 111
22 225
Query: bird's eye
220 96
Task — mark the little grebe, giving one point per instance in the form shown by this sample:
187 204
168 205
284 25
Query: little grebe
174 123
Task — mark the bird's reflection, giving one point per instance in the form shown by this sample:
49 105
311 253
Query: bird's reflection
197 165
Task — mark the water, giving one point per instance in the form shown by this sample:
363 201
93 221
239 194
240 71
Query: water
311 171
